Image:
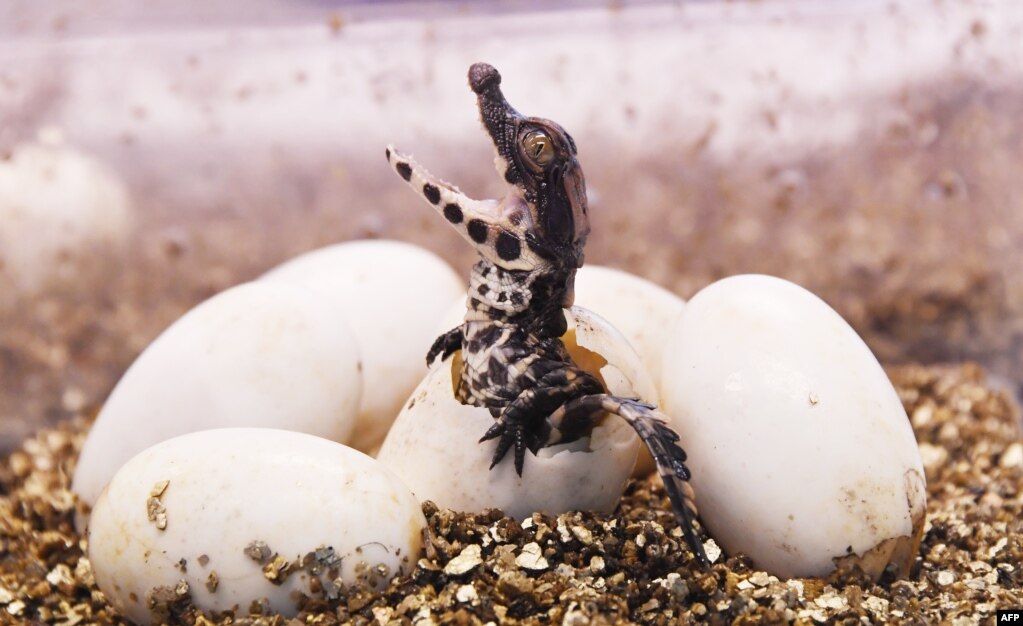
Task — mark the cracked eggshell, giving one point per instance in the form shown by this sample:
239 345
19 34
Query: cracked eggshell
642 311
392 294
433 446
216 493
259 354
801 452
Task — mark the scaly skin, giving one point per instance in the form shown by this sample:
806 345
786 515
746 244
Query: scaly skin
531 244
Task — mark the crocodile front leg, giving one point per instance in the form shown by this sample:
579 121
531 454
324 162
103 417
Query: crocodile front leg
445 345
523 423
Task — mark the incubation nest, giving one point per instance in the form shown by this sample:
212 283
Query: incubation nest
581 568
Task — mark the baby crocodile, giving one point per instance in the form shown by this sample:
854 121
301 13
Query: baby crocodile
531 244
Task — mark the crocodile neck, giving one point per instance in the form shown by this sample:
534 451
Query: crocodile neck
532 300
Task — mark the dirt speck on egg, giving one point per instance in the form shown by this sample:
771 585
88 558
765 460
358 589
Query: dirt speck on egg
155 510
258 551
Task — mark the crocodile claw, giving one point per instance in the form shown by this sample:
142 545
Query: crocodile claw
516 435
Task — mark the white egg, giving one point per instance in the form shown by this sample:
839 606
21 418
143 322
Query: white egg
243 514
801 452
641 310
259 354
62 215
392 294
433 446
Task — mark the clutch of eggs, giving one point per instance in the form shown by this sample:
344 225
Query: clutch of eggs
801 453
293 350
278 353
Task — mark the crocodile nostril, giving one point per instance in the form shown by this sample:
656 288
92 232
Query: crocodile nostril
483 76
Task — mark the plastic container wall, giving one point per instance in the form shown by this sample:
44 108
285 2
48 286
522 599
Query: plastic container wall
868 151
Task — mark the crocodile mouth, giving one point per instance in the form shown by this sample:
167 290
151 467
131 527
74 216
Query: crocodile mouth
512 208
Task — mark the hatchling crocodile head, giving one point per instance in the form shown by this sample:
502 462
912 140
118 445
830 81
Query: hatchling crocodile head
541 223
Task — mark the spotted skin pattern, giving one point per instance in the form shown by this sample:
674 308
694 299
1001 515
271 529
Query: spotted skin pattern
513 361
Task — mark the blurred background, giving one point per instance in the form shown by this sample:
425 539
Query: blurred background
152 154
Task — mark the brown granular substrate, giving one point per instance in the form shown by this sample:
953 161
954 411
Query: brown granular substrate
581 568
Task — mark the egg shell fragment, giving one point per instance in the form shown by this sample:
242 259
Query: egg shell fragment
433 446
801 452
231 500
392 294
259 354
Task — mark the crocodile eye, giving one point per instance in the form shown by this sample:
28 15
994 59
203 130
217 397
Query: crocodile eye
538 147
